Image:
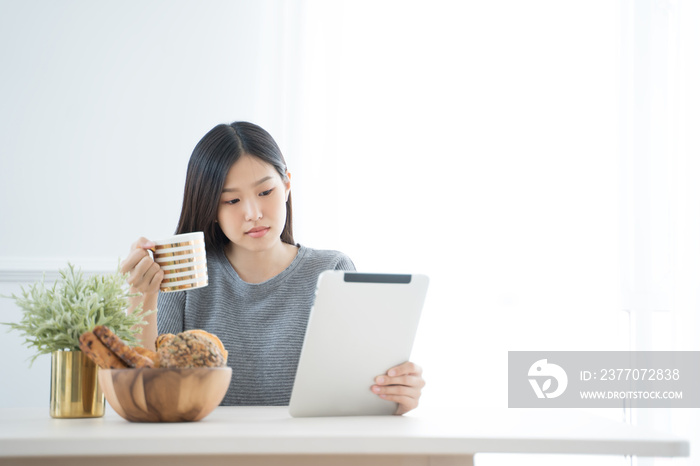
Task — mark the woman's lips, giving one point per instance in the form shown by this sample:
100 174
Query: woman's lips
257 232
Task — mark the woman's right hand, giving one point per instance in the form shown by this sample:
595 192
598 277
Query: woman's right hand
145 275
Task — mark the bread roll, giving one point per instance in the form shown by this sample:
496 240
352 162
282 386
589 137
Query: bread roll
214 338
189 349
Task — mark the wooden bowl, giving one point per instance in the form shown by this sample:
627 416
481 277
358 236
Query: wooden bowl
165 394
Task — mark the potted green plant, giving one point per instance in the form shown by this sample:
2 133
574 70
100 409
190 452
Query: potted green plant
53 318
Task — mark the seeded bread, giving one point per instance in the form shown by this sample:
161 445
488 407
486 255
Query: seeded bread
189 349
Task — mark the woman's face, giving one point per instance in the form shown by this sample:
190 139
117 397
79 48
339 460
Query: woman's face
252 208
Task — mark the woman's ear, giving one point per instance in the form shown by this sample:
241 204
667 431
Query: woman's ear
287 186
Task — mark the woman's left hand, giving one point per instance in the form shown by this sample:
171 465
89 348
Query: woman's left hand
401 384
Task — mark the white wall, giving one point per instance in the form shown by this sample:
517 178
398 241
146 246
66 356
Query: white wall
537 159
101 104
476 142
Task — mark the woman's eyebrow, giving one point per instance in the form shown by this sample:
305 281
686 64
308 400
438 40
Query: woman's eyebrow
259 182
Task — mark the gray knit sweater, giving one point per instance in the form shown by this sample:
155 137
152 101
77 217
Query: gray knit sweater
261 325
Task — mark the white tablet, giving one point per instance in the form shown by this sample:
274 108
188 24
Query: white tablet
360 326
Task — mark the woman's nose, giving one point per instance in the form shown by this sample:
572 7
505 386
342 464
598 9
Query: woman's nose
252 212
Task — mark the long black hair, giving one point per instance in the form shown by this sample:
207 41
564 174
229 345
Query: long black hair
209 164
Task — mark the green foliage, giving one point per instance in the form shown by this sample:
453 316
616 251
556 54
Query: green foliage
54 318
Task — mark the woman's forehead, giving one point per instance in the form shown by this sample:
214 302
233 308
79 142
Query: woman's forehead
249 171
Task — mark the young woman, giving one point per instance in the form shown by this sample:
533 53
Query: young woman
261 283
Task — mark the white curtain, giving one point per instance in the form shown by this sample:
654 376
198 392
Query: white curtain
476 142
537 159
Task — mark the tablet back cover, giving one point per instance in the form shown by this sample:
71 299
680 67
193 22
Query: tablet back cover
360 326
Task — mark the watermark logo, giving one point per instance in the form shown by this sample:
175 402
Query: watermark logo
603 379
544 371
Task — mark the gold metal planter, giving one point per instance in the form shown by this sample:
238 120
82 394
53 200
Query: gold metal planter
75 390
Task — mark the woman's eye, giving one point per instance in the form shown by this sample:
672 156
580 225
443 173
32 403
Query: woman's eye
266 193
232 201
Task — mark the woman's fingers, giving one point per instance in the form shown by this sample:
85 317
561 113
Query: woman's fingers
401 384
138 250
393 390
132 260
406 380
406 397
145 275
407 368
143 243
406 403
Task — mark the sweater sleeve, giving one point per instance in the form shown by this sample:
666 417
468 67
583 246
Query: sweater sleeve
171 312
343 262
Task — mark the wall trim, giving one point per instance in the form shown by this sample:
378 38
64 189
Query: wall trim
33 269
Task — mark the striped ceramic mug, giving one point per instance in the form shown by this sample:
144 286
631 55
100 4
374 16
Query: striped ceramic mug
184 261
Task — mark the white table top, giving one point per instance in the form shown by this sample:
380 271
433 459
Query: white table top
31 432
